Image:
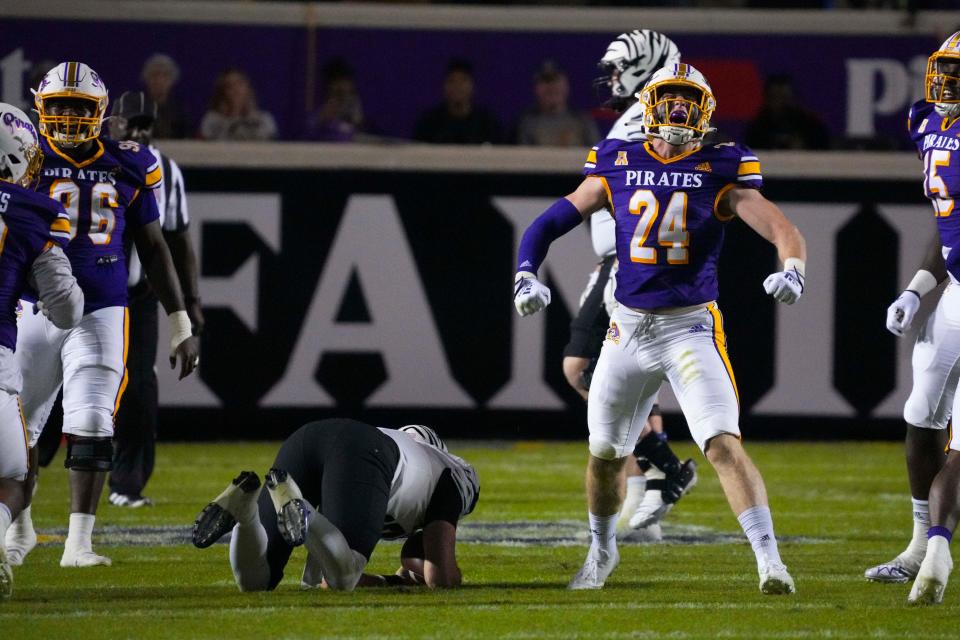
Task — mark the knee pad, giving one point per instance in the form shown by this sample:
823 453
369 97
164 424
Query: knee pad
917 413
89 454
90 422
604 450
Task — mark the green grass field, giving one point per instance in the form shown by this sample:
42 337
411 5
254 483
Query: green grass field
837 507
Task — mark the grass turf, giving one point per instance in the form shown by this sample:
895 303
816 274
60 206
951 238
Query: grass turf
845 506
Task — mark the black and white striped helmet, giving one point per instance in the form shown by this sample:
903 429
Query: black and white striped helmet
629 62
424 434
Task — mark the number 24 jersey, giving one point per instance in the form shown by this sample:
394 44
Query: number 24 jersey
669 231
103 195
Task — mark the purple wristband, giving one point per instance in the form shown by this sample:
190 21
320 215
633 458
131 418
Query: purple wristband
557 220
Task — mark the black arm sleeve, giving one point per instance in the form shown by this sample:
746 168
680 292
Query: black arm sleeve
446 503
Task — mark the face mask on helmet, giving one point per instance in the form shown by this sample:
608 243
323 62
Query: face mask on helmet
942 83
677 110
20 155
72 102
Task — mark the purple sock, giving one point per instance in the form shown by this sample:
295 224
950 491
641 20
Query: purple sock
940 531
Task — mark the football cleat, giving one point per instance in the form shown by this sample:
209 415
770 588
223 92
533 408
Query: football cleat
74 557
934 571
776 581
661 495
292 511
237 502
132 502
6 575
901 569
21 539
647 535
596 569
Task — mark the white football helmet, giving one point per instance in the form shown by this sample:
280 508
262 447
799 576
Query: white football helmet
71 80
631 59
20 155
677 104
942 81
424 434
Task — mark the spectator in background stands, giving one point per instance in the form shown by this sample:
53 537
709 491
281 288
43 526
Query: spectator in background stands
160 74
782 123
458 120
551 123
340 118
233 113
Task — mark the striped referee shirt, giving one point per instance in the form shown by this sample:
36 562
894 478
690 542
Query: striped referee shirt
172 204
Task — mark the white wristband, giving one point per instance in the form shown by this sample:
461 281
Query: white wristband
923 283
795 263
524 274
180 328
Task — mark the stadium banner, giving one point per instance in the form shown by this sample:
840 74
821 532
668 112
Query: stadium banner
860 85
387 296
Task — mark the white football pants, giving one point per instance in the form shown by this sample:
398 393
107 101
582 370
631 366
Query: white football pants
641 351
89 360
936 368
13 438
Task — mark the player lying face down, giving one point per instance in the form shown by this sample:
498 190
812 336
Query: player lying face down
339 487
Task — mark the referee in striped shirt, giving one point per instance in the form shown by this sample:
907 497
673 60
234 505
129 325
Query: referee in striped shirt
132 118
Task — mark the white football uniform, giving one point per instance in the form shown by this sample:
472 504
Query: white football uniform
89 358
418 471
936 368
688 349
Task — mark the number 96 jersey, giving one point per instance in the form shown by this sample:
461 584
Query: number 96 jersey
668 229
938 144
103 194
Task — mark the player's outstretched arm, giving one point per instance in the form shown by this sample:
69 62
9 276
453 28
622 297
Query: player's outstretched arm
529 294
932 272
159 266
768 220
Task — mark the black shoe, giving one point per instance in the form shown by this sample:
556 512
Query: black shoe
220 516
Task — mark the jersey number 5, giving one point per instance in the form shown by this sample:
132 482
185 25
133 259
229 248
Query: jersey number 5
942 203
672 233
103 200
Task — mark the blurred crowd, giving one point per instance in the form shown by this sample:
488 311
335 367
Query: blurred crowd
458 117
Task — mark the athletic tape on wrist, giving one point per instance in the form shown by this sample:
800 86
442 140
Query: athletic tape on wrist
180 328
795 263
923 283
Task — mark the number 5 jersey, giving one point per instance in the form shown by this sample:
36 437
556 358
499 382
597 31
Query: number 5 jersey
668 228
103 195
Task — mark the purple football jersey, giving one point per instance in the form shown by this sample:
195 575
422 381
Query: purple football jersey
29 222
938 144
103 196
669 232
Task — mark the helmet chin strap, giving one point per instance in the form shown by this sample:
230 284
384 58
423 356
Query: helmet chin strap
948 109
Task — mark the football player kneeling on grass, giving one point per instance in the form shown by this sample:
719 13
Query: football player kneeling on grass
338 487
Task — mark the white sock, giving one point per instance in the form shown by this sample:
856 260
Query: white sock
757 523
603 531
921 522
5 518
248 556
635 487
80 533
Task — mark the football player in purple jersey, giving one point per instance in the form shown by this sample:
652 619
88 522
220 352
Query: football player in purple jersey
934 126
33 230
670 197
106 188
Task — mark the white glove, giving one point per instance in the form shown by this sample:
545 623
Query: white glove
529 294
900 314
784 286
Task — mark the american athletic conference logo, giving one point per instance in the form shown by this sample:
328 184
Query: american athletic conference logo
613 333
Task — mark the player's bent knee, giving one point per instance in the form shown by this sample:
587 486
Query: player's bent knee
604 450
89 454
